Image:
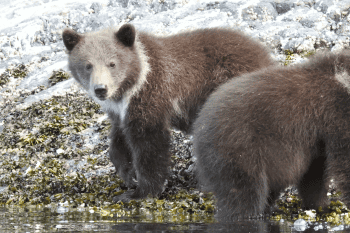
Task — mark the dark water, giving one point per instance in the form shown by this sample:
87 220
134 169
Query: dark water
84 220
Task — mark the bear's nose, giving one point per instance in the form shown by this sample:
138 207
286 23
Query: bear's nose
101 91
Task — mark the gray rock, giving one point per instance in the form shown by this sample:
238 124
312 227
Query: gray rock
4 188
96 7
162 6
300 225
10 15
307 23
123 3
7 51
322 6
230 7
262 12
282 7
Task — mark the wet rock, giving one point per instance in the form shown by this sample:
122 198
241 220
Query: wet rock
281 7
300 225
96 7
123 3
230 7
262 12
182 172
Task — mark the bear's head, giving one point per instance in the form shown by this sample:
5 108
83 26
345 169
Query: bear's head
107 63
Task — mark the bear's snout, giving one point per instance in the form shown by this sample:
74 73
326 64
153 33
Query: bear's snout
101 91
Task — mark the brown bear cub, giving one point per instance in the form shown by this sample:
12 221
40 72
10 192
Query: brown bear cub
147 84
263 131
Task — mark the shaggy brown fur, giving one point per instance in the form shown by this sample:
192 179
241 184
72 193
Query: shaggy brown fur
148 84
261 132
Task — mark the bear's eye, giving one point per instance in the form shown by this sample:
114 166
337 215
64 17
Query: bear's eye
112 64
88 66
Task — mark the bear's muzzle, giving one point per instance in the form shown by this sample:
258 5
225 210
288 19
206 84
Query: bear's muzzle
101 91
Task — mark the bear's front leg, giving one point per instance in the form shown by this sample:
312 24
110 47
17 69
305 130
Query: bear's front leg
150 155
121 157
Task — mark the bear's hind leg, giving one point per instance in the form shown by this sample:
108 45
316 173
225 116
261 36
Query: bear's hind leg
339 166
246 196
313 186
270 207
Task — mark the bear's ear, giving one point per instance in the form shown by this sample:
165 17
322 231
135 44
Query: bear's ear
126 35
70 38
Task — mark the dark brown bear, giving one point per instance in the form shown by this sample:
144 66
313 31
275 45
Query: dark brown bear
266 130
148 84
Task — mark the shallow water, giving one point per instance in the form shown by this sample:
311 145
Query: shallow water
63 219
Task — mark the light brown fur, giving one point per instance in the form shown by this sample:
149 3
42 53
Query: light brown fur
149 84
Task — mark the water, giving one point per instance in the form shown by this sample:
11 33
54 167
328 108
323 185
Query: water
63 219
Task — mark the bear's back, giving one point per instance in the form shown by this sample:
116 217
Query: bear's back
190 65
276 103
